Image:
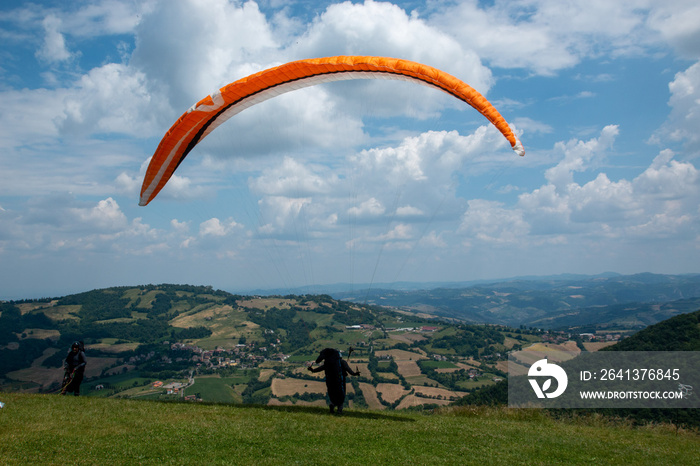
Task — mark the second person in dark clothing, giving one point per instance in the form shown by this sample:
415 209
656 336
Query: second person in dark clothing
74 366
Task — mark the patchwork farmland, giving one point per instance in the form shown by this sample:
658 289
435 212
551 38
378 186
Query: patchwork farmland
196 343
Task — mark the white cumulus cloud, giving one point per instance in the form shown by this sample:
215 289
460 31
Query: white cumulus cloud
54 48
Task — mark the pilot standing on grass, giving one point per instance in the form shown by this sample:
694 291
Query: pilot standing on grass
74 366
336 370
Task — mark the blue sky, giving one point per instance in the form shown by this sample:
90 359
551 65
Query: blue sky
354 182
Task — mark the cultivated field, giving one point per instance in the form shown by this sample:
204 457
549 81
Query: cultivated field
40 334
408 368
537 351
108 347
401 355
60 313
597 345
202 317
435 392
407 337
28 307
412 400
391 392
289 386
266 303
370 394
569 346
215 388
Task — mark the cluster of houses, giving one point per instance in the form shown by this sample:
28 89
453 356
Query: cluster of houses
562 337
603 337
424 329
173 388
141 357
242 355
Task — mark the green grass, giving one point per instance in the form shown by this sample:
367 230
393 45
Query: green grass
472 384
438 364
302 358
119 381
46 429
216 389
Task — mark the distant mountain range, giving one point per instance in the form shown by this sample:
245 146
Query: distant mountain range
360 288
606 301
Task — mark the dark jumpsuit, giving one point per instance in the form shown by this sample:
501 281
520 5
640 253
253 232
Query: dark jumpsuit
336 370
74 365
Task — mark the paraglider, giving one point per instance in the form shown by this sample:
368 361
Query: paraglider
336 370
207 114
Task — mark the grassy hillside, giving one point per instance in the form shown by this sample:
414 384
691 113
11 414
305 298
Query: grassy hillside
46 429
168 342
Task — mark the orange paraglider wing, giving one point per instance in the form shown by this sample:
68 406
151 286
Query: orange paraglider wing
207 114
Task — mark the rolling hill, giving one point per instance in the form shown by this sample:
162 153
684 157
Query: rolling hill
584 303
292 428
168 342
679 333
174 341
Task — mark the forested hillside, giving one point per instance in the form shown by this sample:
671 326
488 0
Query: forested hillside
680 333
580 303
170 341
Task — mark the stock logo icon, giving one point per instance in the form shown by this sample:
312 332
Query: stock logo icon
543 369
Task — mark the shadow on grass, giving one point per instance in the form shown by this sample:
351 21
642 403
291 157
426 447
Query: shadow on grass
346 413
298 409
